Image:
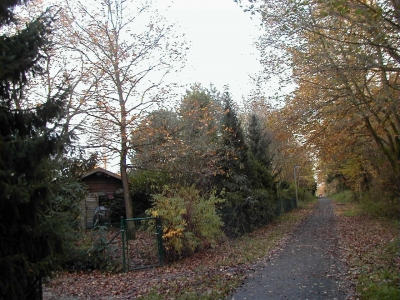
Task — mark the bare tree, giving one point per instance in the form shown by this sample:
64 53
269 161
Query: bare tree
126 49
61 69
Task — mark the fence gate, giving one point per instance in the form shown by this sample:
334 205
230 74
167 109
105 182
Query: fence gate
142 243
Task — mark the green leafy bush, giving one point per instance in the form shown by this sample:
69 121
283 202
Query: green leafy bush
190 221
242 213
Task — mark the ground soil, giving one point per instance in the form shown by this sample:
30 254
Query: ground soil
310 261
309 267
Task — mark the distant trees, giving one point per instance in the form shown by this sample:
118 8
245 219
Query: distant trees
344 58
171 140
31 239
206 134
203 143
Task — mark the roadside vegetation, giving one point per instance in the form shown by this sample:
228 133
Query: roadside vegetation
370 244
211 274
82 84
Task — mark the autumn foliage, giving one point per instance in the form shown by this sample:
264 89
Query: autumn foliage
190 221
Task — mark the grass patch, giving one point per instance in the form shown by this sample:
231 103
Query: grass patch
371 247
351 213
343 197
205 287
306 203
381 282
382 285
346 206
379 208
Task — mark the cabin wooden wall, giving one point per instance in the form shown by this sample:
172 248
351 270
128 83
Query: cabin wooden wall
98 183
91 202
102 183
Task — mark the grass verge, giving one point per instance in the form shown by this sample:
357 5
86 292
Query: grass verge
370 244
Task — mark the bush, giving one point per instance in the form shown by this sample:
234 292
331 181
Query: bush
143 184
305 195
91 253
190 221
288 197
242 214
380 204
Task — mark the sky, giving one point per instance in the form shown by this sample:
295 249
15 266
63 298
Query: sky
221 40
222 37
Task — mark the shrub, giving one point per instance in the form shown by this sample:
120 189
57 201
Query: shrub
91 253
144 183
343 197
190 221
242 213
379 206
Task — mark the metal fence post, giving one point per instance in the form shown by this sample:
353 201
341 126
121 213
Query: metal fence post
123 243
160 241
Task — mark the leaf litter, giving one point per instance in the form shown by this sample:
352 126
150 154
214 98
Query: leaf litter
211 274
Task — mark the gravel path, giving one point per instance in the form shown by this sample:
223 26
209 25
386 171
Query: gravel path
307 268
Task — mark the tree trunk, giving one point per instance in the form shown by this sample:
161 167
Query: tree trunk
124 154
125 187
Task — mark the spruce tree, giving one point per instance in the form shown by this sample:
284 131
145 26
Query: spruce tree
234 153
259 143
30 240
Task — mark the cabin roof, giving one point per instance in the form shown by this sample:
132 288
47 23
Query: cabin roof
101 170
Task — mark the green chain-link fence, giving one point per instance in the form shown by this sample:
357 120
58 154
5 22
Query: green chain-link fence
141 243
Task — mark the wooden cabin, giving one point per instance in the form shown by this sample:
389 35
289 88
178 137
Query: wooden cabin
102 186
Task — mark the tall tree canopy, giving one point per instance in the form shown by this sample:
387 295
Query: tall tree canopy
344 57
170 141
30 241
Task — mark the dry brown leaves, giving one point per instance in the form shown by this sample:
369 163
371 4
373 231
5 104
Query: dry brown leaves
362 241
226 265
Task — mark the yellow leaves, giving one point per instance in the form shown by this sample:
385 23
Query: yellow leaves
187 219
169 233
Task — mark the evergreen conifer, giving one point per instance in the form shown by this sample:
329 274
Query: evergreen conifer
30 240
261 160
234 153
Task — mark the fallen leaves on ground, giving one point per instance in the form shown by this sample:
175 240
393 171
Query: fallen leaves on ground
211 274
365 245
214 273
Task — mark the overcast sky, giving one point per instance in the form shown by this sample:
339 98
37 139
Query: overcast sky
222 40
221 37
